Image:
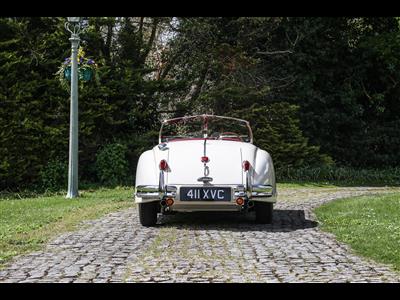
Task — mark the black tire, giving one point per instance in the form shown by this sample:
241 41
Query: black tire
264 212
148 213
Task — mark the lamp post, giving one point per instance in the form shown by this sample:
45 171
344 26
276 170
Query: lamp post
73 25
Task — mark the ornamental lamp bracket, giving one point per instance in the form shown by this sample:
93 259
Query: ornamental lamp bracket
76 24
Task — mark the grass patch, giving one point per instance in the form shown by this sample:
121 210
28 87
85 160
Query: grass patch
299 185
369 224
27 224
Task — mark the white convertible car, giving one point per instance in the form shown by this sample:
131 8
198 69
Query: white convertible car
205 163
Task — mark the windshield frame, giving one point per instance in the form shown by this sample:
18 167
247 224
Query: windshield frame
204 116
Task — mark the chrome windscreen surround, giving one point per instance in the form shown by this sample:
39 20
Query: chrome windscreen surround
261 190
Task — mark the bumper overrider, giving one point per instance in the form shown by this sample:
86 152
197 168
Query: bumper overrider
257 192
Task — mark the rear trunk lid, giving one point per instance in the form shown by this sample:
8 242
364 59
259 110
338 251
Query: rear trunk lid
185 166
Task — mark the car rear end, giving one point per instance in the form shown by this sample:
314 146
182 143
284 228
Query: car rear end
225 173
183 174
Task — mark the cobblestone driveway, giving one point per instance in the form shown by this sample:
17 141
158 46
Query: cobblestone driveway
205 247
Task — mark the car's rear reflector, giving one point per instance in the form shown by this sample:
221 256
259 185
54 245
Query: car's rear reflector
163 165
246 165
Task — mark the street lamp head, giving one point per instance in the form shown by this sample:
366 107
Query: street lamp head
74 20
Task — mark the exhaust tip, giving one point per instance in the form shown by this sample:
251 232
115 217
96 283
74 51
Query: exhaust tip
163 203
251 204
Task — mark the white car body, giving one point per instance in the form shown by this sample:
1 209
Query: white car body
225 168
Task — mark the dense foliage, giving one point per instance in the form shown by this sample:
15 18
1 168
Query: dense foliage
111 164
318 91
53 175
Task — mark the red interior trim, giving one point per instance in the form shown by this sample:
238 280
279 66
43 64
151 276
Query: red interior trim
202 139
187 139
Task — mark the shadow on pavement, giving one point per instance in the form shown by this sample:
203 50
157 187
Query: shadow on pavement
284 220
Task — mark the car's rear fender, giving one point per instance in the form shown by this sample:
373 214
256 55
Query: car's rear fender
147 178
263 175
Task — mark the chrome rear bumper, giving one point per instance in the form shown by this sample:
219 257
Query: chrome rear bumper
153 192
257 191
147 192
260 192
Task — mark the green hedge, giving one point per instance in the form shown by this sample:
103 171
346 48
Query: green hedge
112 165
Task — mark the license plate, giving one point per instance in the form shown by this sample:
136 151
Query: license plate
205 194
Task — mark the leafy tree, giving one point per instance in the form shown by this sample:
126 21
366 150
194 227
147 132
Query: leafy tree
33 116
339 71
276 129
346 87
34 109
312 87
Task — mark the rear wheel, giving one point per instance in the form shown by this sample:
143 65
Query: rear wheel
148 213
264 211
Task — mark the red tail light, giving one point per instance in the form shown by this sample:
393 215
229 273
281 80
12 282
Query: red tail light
246 165
204 159
163 165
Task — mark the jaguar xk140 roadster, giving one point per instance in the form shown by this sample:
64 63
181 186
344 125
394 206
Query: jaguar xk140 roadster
205 163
